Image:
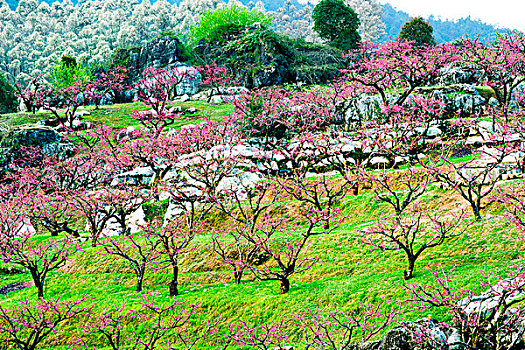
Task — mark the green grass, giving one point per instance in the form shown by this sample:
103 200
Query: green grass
14 119
348 271
120 115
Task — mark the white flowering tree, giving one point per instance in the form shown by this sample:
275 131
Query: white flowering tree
371 26
298 23
35 36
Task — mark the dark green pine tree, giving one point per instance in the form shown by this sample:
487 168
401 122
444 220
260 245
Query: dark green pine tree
419 31
8 101
337 23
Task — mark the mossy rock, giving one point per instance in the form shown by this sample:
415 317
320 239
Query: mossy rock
258 57
486 92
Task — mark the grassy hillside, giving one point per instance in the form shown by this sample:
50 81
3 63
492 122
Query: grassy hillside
120 115
348 272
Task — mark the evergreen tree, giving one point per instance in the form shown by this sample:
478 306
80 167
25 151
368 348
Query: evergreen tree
337 23
8 102
419 31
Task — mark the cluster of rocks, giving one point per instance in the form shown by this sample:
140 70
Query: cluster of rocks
238 181
135 222
457 99
342 151
460 99
221 95
160 52
269 60
364 107
253 164
454 87
48 140
164 52
453 75
409 336
431 334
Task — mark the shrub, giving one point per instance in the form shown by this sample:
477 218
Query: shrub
419 31
67 72
337 23
214 25
8 101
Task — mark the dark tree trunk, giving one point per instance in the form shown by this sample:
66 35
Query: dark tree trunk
121 219
237 276
173 285
70 231
39 284
174 290
476 210
140 278
285 285
408 274
40 288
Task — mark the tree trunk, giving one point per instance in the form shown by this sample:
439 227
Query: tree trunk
39 284
237 276
40 287
476 211
70 231
121 219
140 277
285 285
173 285
174 291
408 274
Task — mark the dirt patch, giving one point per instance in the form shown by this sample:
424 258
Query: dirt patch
13 287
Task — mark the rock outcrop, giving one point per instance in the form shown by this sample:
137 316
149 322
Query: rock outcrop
162 52
158 53
460 99
258 57
463 99
457 75
45 138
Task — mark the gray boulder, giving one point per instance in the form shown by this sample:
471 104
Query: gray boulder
379 162
397 339
364 107
107 99
468 104
518 96
174 210
462 98
493 102
43 137
112 228
143 175
191 82
457 75
157 53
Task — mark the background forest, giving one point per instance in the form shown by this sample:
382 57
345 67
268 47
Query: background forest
34 36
